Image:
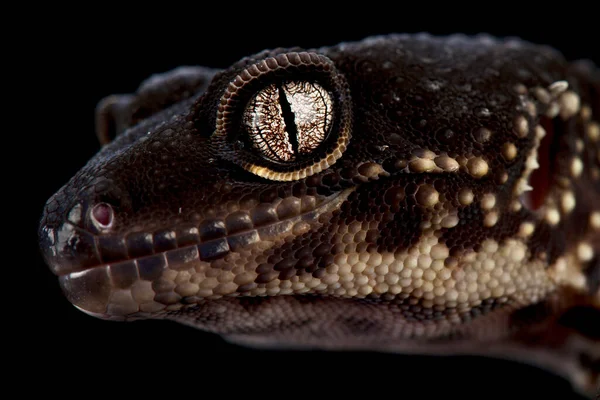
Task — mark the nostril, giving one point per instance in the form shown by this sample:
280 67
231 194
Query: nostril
102 215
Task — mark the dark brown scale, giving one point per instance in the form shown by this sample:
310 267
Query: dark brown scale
303 251
321 250
237 222
112 248
285 264
330 179
139 244
269 195
306 263
266 277
263 268
246 287
212 229
274 258
287 274
263 214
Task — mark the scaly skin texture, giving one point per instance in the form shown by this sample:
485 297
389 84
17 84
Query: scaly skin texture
411 227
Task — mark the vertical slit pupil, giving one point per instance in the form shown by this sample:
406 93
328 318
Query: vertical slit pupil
289 119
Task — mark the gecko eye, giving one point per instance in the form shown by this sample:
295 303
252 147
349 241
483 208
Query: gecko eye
285 117
289 120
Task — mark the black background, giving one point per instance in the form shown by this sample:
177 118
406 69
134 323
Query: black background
76 59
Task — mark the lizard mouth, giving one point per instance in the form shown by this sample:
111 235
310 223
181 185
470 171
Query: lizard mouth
92 269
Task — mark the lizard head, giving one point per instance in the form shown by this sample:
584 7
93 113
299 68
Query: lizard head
377 190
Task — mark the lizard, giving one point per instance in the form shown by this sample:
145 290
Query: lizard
405 193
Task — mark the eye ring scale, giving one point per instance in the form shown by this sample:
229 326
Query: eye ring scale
286 117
